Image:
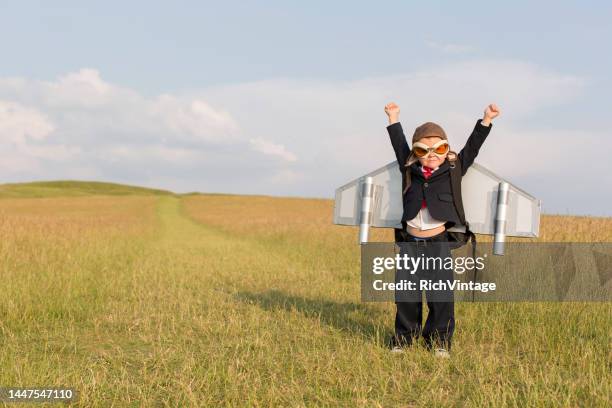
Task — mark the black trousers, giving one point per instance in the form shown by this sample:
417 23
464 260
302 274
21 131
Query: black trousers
440 323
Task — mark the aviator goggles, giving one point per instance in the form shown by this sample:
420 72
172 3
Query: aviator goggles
439 149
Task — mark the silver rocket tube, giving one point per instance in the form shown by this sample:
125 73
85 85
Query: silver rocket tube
501 216
367 196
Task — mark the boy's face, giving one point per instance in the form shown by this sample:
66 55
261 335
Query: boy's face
432 160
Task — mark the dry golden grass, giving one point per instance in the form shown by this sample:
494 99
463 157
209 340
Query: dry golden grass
269 216
566 228
508 354
255 301
75 217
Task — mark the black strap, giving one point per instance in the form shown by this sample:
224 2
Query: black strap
455 171
473 239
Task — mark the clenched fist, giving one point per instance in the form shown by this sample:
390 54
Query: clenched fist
392 111
491 111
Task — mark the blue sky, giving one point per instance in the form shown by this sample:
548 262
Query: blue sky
285 98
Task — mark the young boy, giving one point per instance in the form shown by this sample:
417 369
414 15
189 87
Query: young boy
428 212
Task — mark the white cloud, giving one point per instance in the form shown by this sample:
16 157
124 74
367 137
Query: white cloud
23 132
272 149
83 120
159 153
193 120
209 139
339 127
18 123
78 88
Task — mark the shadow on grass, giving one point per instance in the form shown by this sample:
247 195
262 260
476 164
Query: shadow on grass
353 318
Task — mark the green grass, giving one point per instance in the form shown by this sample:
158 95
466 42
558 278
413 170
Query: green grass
72 188
187 314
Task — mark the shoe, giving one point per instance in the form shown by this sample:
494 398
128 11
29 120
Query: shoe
397 349
397 345
441 353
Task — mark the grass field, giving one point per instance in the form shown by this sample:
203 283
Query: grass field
146 298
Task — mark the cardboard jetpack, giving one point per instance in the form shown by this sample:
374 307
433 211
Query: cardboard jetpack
492 205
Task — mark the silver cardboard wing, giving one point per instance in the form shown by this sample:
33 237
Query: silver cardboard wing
492 205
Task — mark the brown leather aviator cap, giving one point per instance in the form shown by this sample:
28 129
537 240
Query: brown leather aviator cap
428 129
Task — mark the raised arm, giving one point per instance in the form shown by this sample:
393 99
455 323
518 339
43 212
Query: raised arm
477 138
396 134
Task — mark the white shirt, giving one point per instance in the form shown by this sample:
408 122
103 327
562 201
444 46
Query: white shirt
423 219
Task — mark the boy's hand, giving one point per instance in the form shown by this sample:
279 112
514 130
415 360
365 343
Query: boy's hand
392 111
490 112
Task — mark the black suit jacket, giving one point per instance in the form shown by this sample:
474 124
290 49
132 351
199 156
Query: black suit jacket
437 189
